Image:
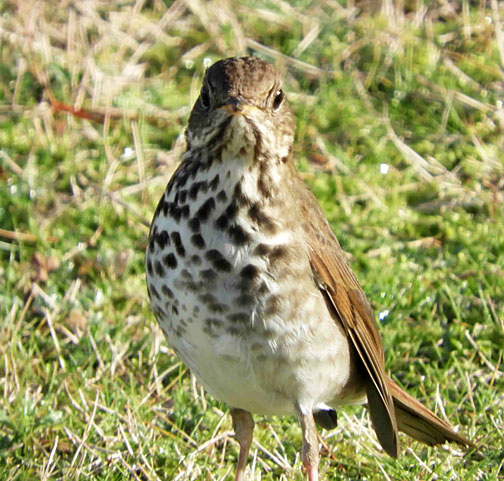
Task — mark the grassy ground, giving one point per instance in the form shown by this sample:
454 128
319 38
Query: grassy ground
401 137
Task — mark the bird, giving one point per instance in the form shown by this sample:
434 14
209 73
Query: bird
249 283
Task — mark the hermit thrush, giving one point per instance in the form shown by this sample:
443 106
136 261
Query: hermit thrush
250 285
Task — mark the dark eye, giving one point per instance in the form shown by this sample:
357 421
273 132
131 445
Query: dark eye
205 97
277 101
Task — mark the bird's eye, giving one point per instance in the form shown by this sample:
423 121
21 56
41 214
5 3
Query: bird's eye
205 97
277 101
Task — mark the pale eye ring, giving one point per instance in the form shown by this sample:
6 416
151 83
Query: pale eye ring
277 101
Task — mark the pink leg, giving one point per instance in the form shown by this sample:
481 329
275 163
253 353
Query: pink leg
310 446
243 425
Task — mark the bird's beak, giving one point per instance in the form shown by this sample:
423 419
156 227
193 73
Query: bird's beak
237 106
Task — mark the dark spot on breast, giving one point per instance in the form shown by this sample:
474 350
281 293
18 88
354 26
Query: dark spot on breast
222 222
262 250
208 330
250 271
213 321
159 207
149 267
237 235
204 211
229 214
181 179
221 196
272 305
248 278
159 269
182 196
264 182
174 211
196 259
218 261
213 254
211 302
258 148
257 215
170 261
207 298
214 183
240 197
194 167
169 187
185 211
277 253
269 334
167 291
177 242
196 187
208 275
152 246
263 187
159 312
153 292
263 288
175 310
188 285
244 300
238 317
233 330
194 224
185 274
162 239
180 331
198 241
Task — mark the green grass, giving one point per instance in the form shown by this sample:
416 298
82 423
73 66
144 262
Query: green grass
89 389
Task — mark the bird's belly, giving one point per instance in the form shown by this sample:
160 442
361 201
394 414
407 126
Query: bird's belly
267 377
257 355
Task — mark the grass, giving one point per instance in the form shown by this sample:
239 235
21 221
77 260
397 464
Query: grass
400 135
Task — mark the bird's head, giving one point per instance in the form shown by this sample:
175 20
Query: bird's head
242 109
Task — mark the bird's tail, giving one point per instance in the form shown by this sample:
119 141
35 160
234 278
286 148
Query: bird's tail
422 424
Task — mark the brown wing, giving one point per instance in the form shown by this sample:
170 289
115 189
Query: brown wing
415 419
345 295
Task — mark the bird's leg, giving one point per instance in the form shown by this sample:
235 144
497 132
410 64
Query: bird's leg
310 445
243 425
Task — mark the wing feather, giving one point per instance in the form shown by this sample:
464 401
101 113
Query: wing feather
351 308
353 311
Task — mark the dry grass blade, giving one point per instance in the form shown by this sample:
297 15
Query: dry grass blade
23 236
308 69
78 460
493 369
499 37
11 164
